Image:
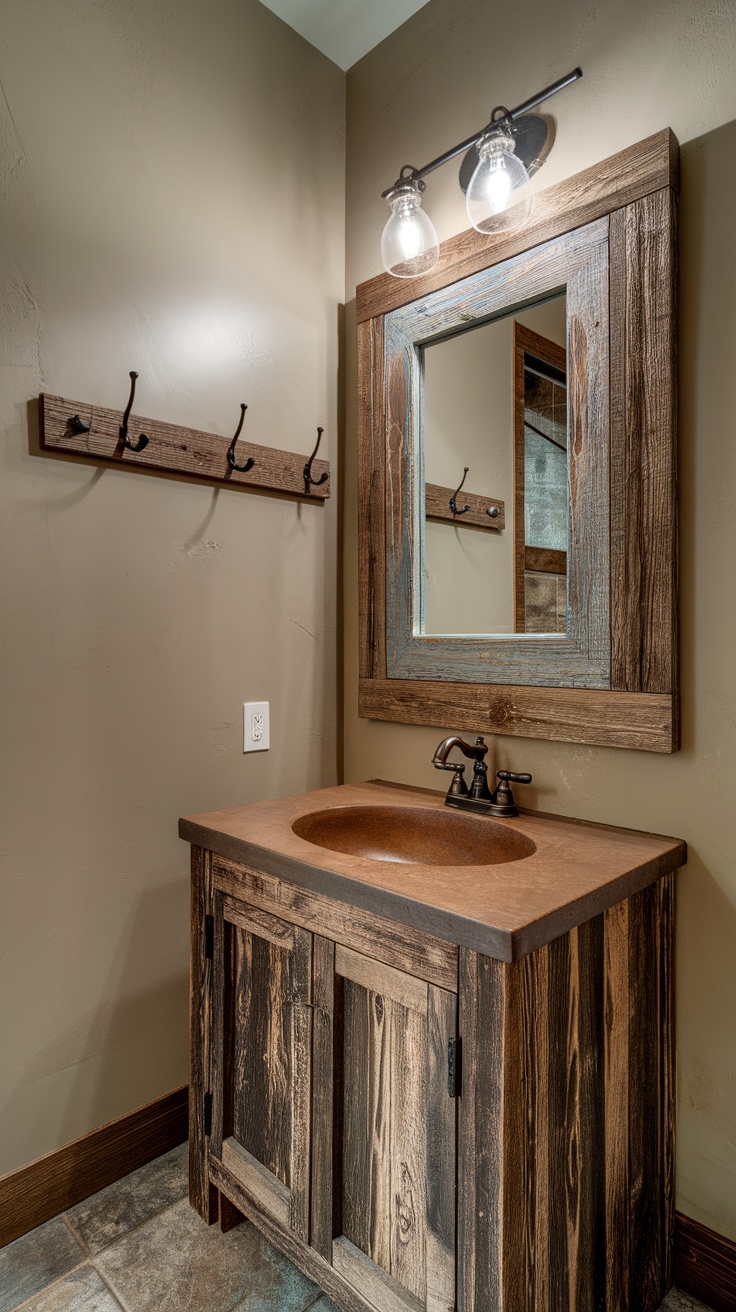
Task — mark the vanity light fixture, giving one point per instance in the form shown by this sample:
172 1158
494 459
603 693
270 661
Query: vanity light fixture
494 174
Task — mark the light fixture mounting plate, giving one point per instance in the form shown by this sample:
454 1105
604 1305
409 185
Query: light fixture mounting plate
534 135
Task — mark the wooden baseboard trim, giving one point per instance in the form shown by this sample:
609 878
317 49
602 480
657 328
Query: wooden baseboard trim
705 1264
37 1192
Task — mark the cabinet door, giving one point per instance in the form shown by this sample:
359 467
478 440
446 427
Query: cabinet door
385 1167
262 1039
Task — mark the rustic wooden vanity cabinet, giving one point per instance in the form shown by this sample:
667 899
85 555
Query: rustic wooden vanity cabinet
421 1125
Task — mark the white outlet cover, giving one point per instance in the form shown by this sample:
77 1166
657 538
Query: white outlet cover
256 727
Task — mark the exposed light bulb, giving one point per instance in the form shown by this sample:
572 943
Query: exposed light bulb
496 198
409 244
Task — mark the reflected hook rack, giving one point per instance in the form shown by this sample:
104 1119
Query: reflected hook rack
453 501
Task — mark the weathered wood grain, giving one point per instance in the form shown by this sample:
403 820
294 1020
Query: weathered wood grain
575 715
202 1196
441 1154
260 923
383 1293
545 560
437 506
619 180
644 533
371 507
257 1180
323 1095
260 1041
418 953
300 1083
616 1093
183 451
379 978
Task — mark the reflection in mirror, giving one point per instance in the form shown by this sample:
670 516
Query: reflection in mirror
495 401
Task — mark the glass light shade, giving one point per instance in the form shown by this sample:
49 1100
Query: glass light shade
496 198
409 244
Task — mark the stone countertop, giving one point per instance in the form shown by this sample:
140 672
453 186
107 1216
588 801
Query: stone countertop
577 871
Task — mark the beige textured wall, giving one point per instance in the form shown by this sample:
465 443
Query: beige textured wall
172 183
646 66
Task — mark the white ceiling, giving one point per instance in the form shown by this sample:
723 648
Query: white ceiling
344 30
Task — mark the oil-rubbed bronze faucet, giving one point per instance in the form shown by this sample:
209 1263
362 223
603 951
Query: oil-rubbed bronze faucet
478 797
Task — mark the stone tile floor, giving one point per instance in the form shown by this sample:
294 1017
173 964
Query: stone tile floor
138 1247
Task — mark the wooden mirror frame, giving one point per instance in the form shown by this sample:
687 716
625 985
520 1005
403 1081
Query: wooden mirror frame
629 203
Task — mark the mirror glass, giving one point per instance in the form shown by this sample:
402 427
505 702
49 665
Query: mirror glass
495 402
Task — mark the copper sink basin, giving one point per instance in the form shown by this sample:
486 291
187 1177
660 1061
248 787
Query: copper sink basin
414 835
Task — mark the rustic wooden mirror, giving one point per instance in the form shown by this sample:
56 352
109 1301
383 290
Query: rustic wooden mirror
540 600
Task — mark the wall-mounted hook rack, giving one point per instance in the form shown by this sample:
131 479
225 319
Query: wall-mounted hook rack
453 499
81 429
476 512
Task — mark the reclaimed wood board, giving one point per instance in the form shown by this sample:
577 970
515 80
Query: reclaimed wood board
437 506
187 452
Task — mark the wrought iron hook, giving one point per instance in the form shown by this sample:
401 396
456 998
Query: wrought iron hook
308 480
453 502
142 440
242 469
76 425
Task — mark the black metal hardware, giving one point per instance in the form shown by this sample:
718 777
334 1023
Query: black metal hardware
453 502
77 425
209 937
242 469
454 1067
308 480
509 116
142 440
208 1113
503 799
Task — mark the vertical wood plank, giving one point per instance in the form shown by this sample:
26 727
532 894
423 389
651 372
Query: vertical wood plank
371 508
323 1091
616 1085
407 1156
591 1261
220 1049
560 1092
300 1070
263 1029
668 1092
644 570
645 1122
230 1215
202 1195
482 1003
441 1153
356 1160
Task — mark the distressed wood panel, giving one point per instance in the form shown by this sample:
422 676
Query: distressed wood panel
202 1195
437 506
261 1047
183 451
574 715
617 181
324 1090
257 1180
401 946
482 1006
565 1202
373 975
260 923
383 1293
581 657
644 534
398 1155
371 508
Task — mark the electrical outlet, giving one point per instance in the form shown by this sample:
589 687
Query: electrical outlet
256 727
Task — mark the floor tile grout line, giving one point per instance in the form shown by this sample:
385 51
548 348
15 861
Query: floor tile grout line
133 1229
110 1287
72 1270
75 1235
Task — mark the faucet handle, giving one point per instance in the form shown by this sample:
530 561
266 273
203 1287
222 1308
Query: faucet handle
503 798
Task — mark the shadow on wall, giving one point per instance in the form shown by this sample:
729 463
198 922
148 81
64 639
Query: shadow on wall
117 1036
